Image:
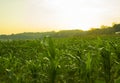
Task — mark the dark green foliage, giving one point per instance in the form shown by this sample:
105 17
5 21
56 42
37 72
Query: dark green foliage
61 60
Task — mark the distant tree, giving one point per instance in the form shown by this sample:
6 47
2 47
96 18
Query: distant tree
104 27
116 27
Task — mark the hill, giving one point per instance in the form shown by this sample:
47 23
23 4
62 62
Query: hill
103 30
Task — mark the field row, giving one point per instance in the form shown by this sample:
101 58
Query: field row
62 60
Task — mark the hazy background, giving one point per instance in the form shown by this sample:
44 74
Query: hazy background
18 16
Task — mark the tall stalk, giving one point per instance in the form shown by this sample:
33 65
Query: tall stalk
53 61
105 54
88 69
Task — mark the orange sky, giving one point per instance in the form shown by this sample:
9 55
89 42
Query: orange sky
19 16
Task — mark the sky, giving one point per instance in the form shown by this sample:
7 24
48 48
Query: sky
17 16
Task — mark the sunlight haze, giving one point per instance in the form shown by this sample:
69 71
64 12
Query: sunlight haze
17 16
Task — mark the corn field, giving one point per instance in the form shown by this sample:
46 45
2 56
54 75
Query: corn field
60 60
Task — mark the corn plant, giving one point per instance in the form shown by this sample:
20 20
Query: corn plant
52 56
60 60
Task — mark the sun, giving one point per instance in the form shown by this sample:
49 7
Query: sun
74 16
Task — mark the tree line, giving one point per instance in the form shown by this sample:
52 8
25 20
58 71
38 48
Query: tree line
103 30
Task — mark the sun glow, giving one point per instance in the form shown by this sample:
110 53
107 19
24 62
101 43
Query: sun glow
47 15
68 14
